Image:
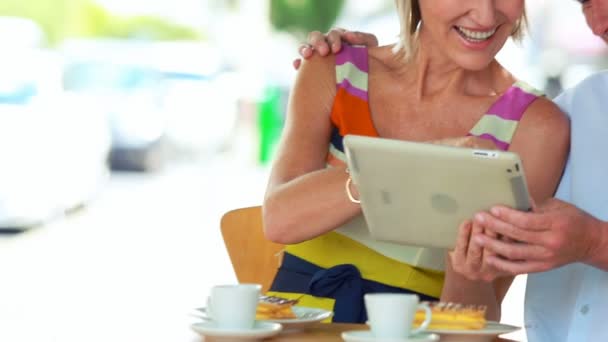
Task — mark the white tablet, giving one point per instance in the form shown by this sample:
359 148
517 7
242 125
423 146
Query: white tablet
418 194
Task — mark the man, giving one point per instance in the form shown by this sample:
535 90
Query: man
565 246
562 243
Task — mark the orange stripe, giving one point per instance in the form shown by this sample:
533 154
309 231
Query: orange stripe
351 115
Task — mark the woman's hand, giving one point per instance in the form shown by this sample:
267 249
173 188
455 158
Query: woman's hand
469 258
331 41
467 141
469 278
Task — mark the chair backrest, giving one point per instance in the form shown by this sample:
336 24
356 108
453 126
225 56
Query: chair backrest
254 259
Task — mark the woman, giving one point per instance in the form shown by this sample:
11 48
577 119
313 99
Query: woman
440 82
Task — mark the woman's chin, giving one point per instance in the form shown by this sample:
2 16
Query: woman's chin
474 63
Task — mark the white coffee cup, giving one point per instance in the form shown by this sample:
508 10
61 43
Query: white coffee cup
233 306
391 315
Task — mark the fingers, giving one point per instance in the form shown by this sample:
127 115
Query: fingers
512 250
332 42
475 252
334 39
360 38
468 257
516 267
318 43
491 234
506 229
530 221
306 51
482 143
296 63
462 242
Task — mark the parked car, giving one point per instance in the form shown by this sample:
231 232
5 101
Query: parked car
156 95
127 92
53 144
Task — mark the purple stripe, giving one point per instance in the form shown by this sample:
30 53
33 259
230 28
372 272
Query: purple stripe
499 143
354 54
362 94
512 104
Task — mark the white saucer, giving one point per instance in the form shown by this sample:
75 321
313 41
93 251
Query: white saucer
487 334
304 317
491 328
260 330
366 336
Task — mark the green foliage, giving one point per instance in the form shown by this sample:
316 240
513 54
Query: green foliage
302 16
100 23
54 16
83 18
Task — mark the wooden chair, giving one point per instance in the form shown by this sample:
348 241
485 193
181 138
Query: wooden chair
254 259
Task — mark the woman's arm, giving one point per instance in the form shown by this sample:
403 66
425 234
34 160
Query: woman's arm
478 292
303 198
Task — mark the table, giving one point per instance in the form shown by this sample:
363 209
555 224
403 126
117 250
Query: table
321 332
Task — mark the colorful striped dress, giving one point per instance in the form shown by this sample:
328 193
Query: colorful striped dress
334 271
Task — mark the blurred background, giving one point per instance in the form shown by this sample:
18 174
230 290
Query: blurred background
128 127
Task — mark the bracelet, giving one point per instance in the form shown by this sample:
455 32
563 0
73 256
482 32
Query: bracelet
348 192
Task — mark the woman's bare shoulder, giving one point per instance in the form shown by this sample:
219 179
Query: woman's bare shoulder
543 141
543 125
383 58
543 114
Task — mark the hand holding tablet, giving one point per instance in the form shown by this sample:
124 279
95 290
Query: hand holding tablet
419 193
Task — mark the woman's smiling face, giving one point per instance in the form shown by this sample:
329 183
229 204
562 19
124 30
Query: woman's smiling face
470 32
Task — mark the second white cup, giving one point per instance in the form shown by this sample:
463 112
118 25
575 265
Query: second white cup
391 315
233 306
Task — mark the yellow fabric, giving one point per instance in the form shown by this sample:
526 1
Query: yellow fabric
501 129
351 115
333 249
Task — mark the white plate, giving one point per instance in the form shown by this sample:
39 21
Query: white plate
366 336
304 317
259 331
489 333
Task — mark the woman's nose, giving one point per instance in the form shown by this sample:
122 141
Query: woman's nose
485 13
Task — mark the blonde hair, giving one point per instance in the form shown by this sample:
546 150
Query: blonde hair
410 19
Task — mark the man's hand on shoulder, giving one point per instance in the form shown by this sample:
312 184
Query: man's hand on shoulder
331 42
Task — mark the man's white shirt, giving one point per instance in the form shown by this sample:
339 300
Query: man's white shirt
570 304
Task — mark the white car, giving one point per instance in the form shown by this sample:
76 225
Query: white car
53 145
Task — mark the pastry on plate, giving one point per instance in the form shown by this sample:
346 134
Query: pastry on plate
273 307
450 316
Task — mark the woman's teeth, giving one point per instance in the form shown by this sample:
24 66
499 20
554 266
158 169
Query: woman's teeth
475 36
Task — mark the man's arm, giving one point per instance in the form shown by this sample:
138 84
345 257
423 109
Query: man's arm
598 257
557 234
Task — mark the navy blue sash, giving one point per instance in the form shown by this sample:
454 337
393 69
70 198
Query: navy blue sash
342 283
